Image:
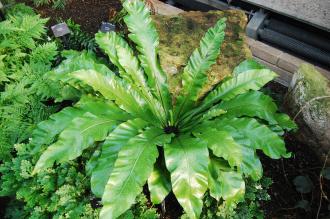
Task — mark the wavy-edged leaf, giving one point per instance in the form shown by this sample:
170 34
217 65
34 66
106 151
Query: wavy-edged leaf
131 170
187 160
223 145
225 183
256 104
144 35
135 76
249 80
102 108
247 65
109 152
77 61
249 132
253 104
213 113
123 57
46 131
81 133
194 74
115 89
285 122
159 182
107 42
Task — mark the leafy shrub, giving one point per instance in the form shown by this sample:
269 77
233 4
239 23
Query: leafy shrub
139 132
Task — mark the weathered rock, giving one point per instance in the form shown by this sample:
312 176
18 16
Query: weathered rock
309 97
180 35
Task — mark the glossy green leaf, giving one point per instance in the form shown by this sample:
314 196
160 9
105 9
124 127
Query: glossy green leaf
194 74
226 184
115 89
107 42
246 65
135 76
187 160
109 152
249 132
75 62
46 131
81 133
253 104
285 122
159 182
143 33
223 145
249 80
131 170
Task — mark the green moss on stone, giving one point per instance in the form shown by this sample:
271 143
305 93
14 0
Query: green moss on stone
181 34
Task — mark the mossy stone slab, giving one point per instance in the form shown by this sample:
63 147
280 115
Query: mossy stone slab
181 34
308 99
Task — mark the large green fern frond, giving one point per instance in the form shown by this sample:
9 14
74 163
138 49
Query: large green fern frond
194 74
144 34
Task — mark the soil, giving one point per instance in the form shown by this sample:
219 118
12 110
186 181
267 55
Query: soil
89 14
303 162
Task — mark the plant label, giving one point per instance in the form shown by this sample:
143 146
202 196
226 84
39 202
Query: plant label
60 29
107 27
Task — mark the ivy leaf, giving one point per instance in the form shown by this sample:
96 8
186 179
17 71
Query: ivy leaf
326 173
303 204
303 184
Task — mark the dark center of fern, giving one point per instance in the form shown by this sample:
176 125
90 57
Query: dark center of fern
171 129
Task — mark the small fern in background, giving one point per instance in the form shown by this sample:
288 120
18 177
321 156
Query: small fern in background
57 4
78 39
25 58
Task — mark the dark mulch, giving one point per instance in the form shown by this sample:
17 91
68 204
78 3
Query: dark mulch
304 162
89 13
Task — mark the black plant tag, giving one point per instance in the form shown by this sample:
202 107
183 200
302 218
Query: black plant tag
60 29
107 27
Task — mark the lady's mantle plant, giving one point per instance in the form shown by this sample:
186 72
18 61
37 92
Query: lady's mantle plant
141 133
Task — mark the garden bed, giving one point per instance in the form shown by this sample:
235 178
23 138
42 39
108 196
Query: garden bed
283 193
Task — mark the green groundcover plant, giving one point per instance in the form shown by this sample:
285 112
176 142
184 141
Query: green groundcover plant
141 133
